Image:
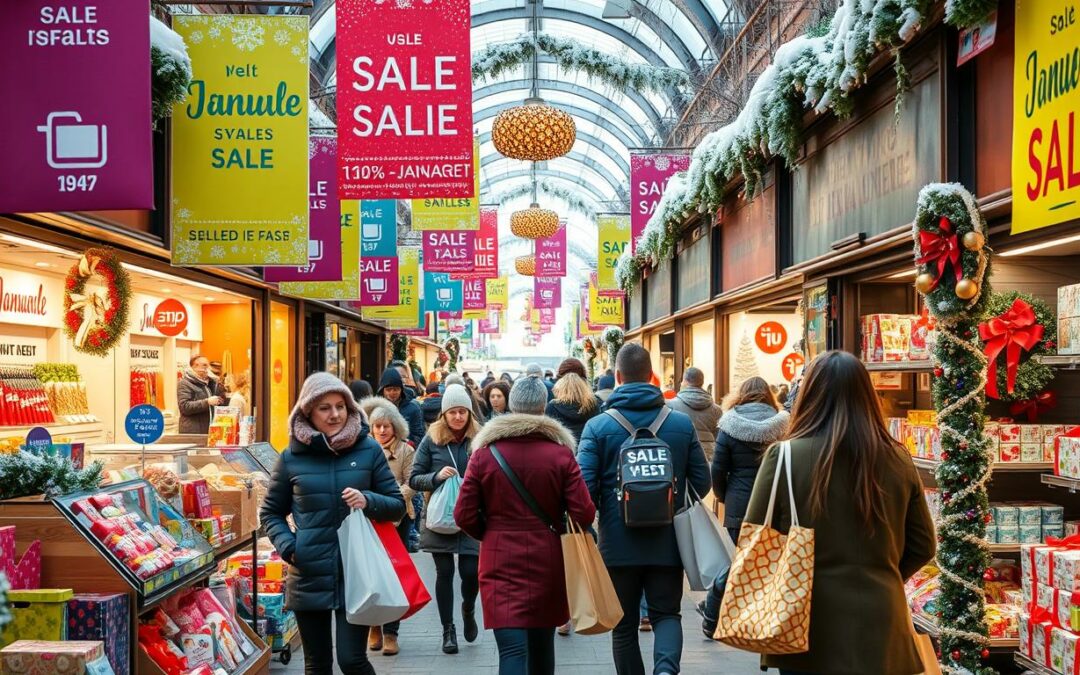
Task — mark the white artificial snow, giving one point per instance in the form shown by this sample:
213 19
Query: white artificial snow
170 44
317 118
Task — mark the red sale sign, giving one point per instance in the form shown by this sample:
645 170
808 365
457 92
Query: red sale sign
404 99
485 247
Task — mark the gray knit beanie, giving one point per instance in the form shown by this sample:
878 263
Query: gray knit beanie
456 396
454 379
529 396
315 387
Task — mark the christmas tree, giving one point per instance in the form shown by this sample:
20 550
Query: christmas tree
745 362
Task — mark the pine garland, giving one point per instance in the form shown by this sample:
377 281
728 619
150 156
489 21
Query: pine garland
25 473
574 201
589 348
968 13
170 69
613 338
399 347
959 398
453 349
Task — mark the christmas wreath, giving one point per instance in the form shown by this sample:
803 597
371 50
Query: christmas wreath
1020 327
590 358
95 319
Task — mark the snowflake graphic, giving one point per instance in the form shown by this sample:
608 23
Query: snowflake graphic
183 214
217 252
273 256
234 249
186 251
247 35
281 37
214 32
297 219
295 50
662 163
196 37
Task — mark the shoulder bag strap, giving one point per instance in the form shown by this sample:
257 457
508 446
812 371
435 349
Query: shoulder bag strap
781 457
623 422
791 486
450 451
520 489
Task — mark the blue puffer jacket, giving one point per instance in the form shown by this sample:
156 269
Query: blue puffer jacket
307 483
598 454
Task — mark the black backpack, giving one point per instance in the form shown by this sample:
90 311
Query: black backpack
646 474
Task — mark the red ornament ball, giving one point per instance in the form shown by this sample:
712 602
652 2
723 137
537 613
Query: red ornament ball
990 574
985 654
938 372
955 655
988 518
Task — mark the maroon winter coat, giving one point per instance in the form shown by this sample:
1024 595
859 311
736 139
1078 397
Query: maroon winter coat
521 567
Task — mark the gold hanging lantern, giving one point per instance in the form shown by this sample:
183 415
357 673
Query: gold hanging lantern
533 132
525 264
534 222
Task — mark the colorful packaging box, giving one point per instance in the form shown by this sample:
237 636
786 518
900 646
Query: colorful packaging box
196 498
991 534
1063 644
1008 534
1008 453
1031 433
1031 453
102 616
1041 636
1030 534
1067 459
22 573
37 615
1009 433
1066 570
1053 514
1025 634
1005 514
1057 531
1029 514
37 657
1072 527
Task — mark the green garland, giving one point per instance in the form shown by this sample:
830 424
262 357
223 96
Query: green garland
399 347
613 338
1032 377
959 398
25 473
968 13
170 69
575 202
453 349
589 348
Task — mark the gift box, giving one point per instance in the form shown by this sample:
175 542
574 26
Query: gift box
1068 335
1031 433
196 498
1063 646
22 573
1025 634
1030 534
1066 564
1029 514
1053 514
1067 457
37 615
1031 453
1009 433
1068 300
104 617
1045 597
1008 453
36 657
1041 636
1006 515
1008 534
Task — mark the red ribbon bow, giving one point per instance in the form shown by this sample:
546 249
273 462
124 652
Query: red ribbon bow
941 247
1033 406
1012 331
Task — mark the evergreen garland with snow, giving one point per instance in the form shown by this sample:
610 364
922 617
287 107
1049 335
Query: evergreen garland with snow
25 473
570 54
170 69
573 200
968 13
613 338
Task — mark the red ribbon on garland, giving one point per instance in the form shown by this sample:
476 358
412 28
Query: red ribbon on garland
1033 406
941 248
1011 332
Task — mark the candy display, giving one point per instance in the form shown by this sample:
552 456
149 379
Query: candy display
41 657
277 624
1024 522
193 631
65 390
918 432
225 428
1003 595
896 337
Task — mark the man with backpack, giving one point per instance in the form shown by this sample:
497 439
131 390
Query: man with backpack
637 459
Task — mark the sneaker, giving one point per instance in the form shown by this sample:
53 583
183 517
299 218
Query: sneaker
645 626
708 626
564 629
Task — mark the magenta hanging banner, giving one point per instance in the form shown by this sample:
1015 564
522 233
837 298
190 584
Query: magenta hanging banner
490 325
448 316
475 293
547 316
378 282
404 99
649 174
551 254
486 247
324 218
449 250
75 126
547 292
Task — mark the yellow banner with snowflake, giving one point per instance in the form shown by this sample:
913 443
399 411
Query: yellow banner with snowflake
446 213
239 143
349 286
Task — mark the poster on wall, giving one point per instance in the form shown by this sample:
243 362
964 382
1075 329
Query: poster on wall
614 236
349 286
407 310
551 253
1046 125
649 175
450 213
762 345
240 142
606 310
485 247
404 101
497 292
324 218
68 145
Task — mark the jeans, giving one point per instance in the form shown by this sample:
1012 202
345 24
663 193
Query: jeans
316 636
467 566
663 588
643 607
403 534
414 532
526 651
715 597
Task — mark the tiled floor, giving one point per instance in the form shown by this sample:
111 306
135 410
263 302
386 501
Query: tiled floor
421 639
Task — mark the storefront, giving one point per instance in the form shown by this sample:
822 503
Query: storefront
339 342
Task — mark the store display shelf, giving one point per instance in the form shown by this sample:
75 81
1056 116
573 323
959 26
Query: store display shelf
900 366
1033 666
1005 549
85 432
242 543
1026 467
1072 484
996 644
1060 360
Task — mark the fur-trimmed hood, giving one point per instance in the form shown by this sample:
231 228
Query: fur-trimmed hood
377 407
441 434
755 423
516 425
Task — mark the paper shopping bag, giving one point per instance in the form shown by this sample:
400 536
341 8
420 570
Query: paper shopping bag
373 592
411 582
594 607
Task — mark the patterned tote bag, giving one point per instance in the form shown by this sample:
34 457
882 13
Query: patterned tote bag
766 606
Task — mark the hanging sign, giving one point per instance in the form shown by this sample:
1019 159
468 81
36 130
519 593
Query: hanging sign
474 295
605 310
170 317
547 316
589 326
144 424
771 337
38 440
324 218
68 144
349 286
378 253
1046 125
240 141
441 293
449 250
474 314
614 234
490 325
450 213
404 99
415 329
551 253
408 308
547 292
485 247
497 292
649 174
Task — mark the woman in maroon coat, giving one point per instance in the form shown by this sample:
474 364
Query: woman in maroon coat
522 587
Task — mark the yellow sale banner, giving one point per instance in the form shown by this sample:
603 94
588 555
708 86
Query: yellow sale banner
450 213
349 286
605 310
614 237
1046 121
474 314
497 293
240 143
407 311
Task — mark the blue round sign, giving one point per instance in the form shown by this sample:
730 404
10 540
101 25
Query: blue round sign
38 440
144 424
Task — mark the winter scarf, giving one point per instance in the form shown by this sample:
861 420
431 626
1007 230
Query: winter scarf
303 431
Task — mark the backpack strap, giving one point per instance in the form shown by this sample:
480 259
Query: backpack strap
652 428
659 421
525 495
623 422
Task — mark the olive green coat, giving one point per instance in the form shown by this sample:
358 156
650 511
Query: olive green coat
859 621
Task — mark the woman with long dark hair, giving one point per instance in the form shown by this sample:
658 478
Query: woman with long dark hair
858 489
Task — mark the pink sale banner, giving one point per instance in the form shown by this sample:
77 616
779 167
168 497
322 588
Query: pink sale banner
649 174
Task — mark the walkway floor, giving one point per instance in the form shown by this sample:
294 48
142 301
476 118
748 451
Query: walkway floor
421 638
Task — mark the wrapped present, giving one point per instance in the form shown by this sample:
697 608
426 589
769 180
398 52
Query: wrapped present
196 495
1009 433
1031 433
1030 534
1008 534
1055 531
37 615
1062 643
1051 431
1008 453
1068 300
1006 514
102 616
1067 457
1066 566
1046 598
38 657
1028 514
1041 636
1031 453
22 573
1053 514
1025 634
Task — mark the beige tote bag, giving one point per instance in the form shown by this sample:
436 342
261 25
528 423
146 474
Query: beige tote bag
594 607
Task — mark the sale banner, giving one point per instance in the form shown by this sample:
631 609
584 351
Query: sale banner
68 142
474 295
409 307
450 213
349 286
1046 121
485 247
449 250
240 141
441 293
474 314
490 325
606 310
588 326
379 269
324 218
614 236
547 292
421 326
498 293
404 99
551 253
649 175
547 316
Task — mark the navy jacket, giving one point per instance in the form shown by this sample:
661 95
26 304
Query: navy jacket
406 404
307 483
598 454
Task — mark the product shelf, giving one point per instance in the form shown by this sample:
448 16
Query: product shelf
929 627
1069 362
1017 467
1025 662
1071 484
924 366
82 432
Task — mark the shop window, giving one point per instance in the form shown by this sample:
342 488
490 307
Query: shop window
282 381
748 230
693 262
702 352
658 293
762 343
634 301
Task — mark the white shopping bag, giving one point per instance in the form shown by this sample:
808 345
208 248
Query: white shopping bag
373 592
706 548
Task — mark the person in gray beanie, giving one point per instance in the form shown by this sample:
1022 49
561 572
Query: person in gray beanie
477 405
534 370
528 396
443 453
329 449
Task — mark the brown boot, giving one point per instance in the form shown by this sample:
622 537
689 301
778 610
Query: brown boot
375 640
390 646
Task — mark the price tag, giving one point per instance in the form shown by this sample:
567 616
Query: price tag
39 440
144 424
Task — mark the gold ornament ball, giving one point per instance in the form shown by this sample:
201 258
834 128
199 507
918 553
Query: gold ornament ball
526 265
924 283
534 223
966 289
974 241
533 132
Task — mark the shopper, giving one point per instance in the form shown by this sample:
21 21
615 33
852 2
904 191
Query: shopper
392 388
444 452
431 406
605 384
522 580
196 395
331 466
488 379
574 403
858 490
413 390
477 404
361 389
496 397
534 370
641 558
240 395
693 400
507 378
